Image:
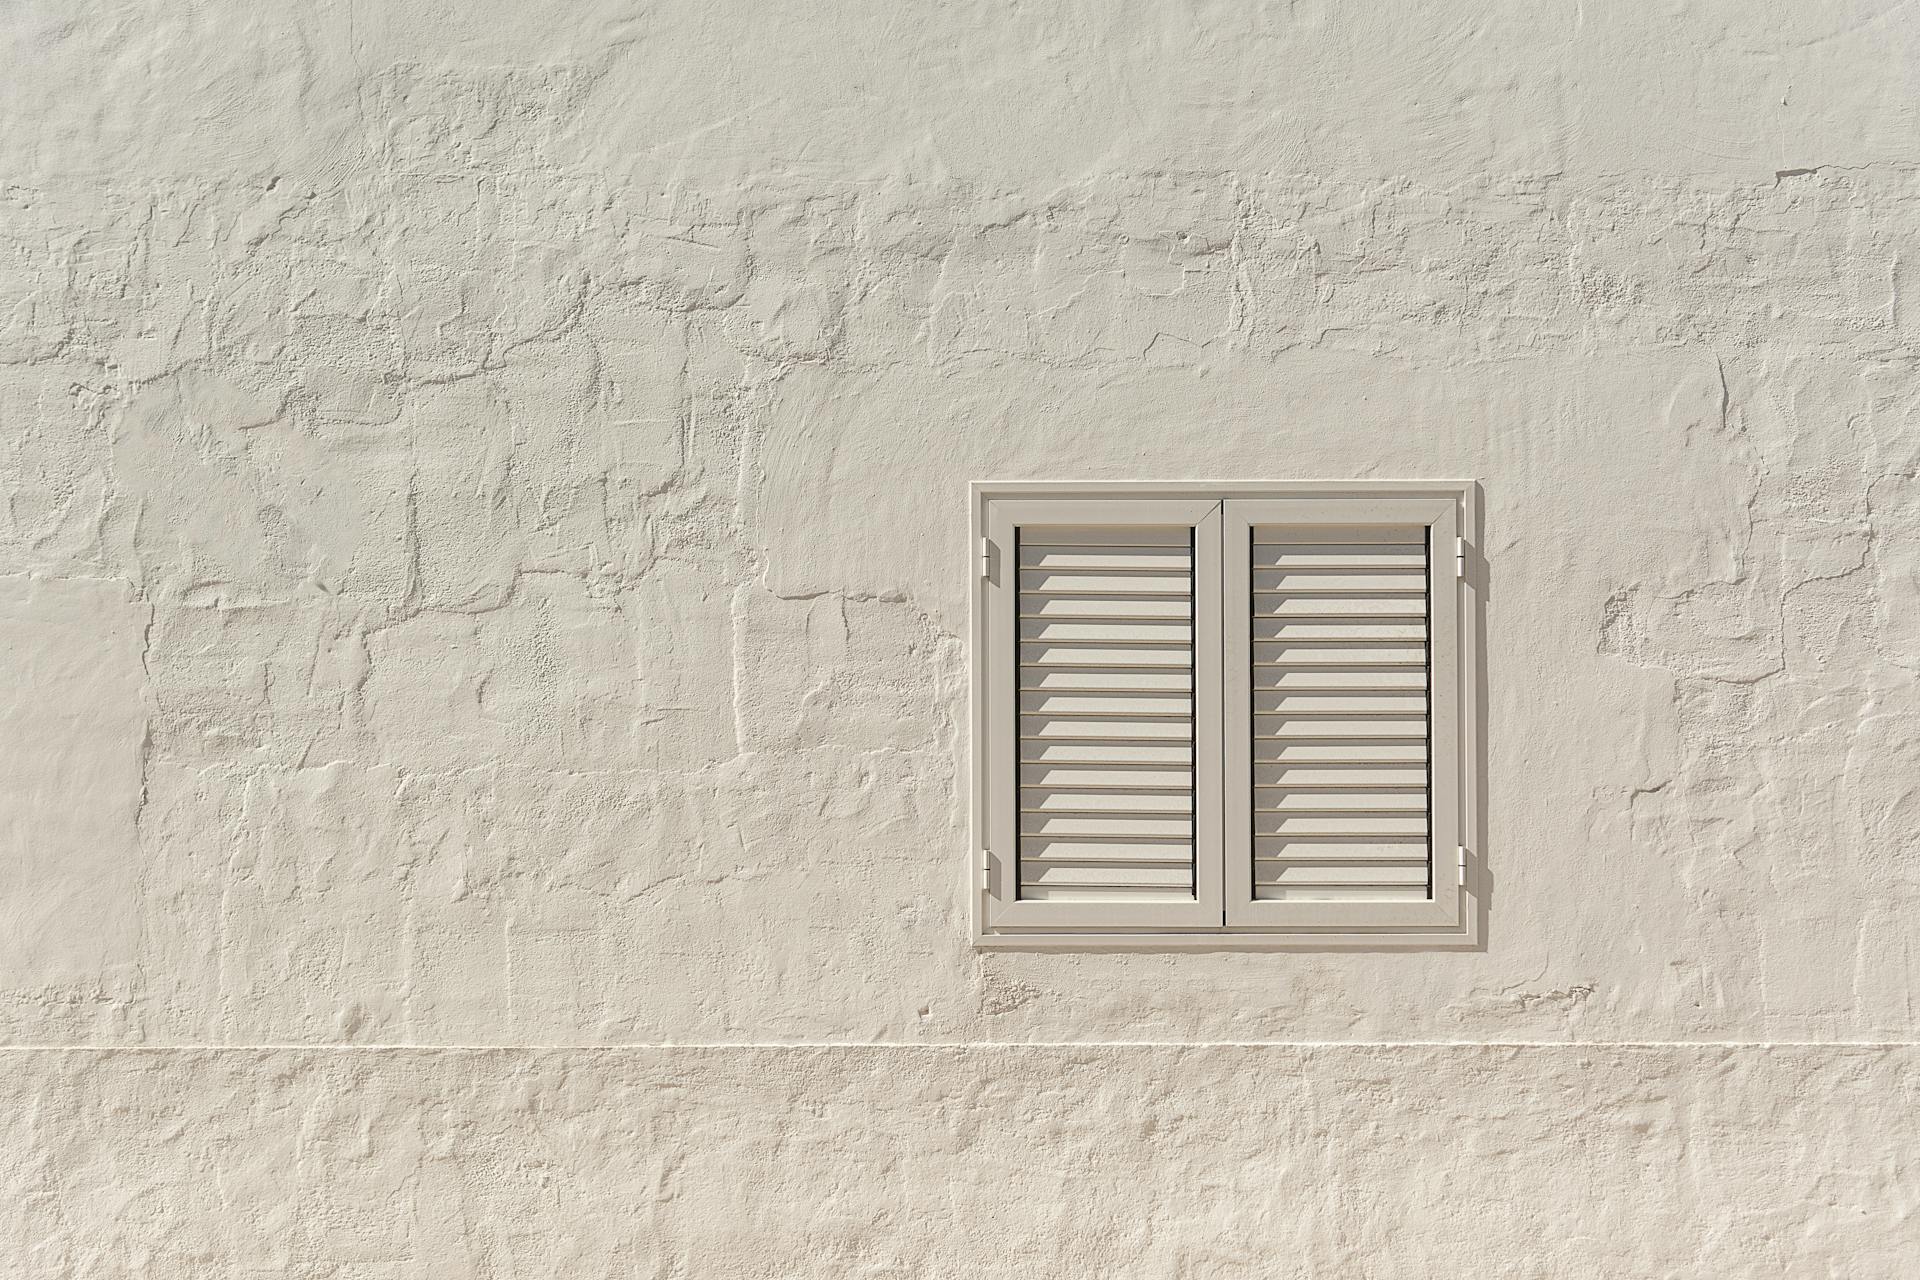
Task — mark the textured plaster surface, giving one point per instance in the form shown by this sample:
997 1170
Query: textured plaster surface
483 563
1172 1163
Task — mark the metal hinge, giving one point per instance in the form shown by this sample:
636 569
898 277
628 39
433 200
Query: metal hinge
1460 558
1463 859
986 862
986 558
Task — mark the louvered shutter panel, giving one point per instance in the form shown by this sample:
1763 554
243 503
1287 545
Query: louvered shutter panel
1103 682
1341 714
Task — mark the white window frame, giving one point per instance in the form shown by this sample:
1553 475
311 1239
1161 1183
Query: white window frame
1225 916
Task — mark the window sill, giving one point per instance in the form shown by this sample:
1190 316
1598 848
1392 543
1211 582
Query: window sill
1467 939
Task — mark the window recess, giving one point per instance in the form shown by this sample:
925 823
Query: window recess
1226 716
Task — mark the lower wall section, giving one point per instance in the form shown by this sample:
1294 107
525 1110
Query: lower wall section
962 1161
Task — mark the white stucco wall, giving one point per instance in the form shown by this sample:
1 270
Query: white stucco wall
482 598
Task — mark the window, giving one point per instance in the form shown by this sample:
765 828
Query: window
1228 715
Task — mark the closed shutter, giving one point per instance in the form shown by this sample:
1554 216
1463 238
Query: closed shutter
1339 688
1233 714
1105 783
1335 704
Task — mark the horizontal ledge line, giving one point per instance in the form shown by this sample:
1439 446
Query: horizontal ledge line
1584 1046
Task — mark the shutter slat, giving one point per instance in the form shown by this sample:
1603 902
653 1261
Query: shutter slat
1177 874
1338 630
1339 776
1291 800
1106 559
1339 694
1080 537
1106 679
1349 849
1367 702
1327 875
1145 826
1291 751
1346 535
1411 581
1114 730
1156 633
1132 704
1105 713
1315 825
1058 583
1142 657
1047 751
1139 800
1102 608
1347 656
1288 727
1344 893
1107 893
1370 608
1084 778
1352 557
1349 680
1105 851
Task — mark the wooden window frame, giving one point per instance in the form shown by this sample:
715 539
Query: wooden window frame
1453 916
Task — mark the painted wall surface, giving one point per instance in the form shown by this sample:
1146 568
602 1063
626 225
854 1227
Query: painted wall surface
483 596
